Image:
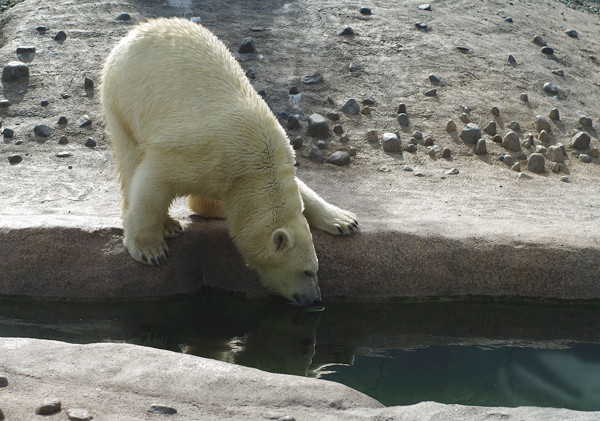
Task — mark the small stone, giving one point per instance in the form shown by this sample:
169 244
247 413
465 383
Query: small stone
585 158
84 121
8 132
524 176
49 406
554 114
581 141
572 33
434 79
372 136
383 169
14 159
401 108
161 409
63 140
421 26
347 31
585 122
511 141
352 68
321 144
3 381
44 103
419 174
452 171
390 142
555 154
366 110
515 126
512 60
414 141
60 36
365 11
536 163
339 158
428 142
430 93
250 73
124 17
352 151
286 418
491 128
315 154
550 88
318 126
495 111
78 414
555 167
42 130
425 6
63 155
26 54
62 120
368 101
418 135
351 107
497 139
507 159
403 119
4 103
247 46
516 167
463 49
548 50
345 138
465 118
293 122
2 415
539 41
565 179
508 20
480 148
65 96
14 71
313 79
558 72
541 149
411 148
450 126
542 123
41 29
333 116
446 153
407 168
544 136
297 142
594 153
471 133
293 91
90 142
434 150
524 97
338 129
262 93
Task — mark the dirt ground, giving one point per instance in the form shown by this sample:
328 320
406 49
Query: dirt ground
393 60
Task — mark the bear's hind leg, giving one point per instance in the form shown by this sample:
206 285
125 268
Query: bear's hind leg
171 228
144 219
325 216
206 207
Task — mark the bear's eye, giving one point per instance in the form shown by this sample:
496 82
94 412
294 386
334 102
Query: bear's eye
309 274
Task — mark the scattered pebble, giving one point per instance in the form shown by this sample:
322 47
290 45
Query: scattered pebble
554 114
555 154
352 68
90 142
434 79
313 79
84 121
124 17
339 158
512 60
49 406
463 49
352 151
548 50
63 155
544 136
524 97
15 159
585 122
401 108
14 71
450 126
446 153
44 103
581 141
465 118
345 138
583 157
8 132
351 107
390 142
365 11
78 414
565 179
293 122
419 174
471 133
162 409
318 126
372 136
366 110
407 168
411 148
536 163
572 33
63 140
62 120
26 54
516 167
368 101
286 418
430 92
550 88
403 119
507 159
347 31
248 46
42 130
383 169
3 381
434 150
4 103
41 29
558 72
1 415
539 41
491 128
60 36
515 126
293 91
421 26
594 153
338 129
250 73
425 6
333 116
542 123
480 148
452 171
321 144
511 141
297 142
509 20
524 176
497 139
315 154
495 111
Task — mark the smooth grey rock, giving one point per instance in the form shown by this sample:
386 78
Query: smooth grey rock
544 136
63 140
42 130
434 150
351 107
321 144
425 6
338 158
83 121
536 163
538 40
338 129
480 148
572 33
471 133
62 120
333 116
403 119
583 157
365 11
565 179
507 159
554 114
491 128
26 54
318 126
60 36
372 136
434 78
313 79
542 123
297 142
15 71
495 111
156 408
124 17
524 97
49 406
511 141
411 148
5 103
512 60
452 171
347 31
446 153
515 126
524 176
450 126
63 154
550 88
368 101
401 108
407 168
421 26
580 141
251 73
418 135
78 414
430 93
248 46
585 122
90 142
8 132
3 381
548 50
344 138
558 72
315 154
390 142
293 122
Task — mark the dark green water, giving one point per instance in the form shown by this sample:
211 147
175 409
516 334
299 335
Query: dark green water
469 352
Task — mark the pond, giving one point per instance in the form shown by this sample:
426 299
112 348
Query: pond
471 351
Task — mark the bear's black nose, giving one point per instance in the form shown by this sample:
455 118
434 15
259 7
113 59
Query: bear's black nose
317 302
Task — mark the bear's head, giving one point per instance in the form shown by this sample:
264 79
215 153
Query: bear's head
287 262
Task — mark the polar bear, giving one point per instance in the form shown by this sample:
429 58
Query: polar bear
184 120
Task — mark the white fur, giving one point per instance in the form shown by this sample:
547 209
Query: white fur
184 120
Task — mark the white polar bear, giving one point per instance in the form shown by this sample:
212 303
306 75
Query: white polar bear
184 120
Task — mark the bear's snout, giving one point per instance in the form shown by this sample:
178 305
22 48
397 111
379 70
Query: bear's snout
306 301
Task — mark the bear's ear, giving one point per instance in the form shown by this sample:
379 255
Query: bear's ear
281 240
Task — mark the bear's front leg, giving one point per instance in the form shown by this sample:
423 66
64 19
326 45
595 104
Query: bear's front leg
144 219
325 216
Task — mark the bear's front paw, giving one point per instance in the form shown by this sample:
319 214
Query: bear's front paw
172 228
338 221
151 255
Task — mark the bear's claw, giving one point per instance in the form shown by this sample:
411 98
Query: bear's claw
156 255
172 228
